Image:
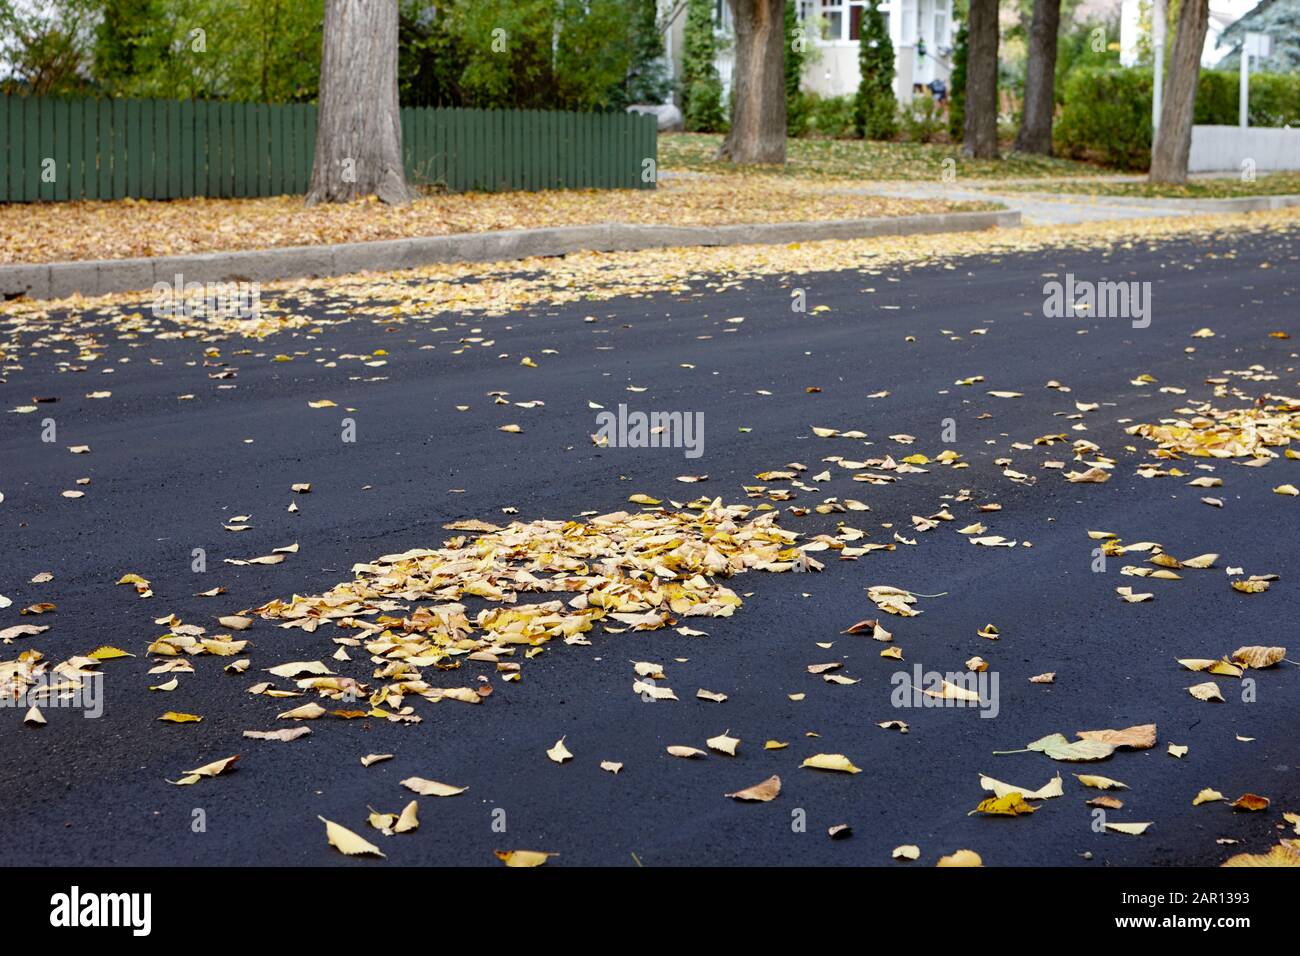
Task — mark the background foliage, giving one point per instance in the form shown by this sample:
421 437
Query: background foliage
553 54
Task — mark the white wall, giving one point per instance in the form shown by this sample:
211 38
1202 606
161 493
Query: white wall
1223 148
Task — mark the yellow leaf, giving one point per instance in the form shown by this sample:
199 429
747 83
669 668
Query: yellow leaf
1133 829
1050 789
763 792
1250 801
173 717
679 751
347 842
724 744
1259 657
961 858
559 753
1100 783
1276 856
1207 691
429 788
837 762
1009 805
523 857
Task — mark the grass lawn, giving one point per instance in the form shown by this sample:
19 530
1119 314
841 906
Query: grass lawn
865 160
1226 187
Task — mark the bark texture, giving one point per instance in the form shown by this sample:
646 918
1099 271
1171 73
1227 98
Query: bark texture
1174 139
358 127
758 119
980 137
1040 80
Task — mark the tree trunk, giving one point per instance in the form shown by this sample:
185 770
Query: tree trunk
980 137
358 127
1174 139
757 84
1040 80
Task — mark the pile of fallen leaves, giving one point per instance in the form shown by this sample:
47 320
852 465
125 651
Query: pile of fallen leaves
640 571
1209 432
126 229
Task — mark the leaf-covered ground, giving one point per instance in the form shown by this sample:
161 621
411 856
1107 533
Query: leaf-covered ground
57 232
865 160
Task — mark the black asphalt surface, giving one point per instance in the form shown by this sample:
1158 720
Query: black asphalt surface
166 474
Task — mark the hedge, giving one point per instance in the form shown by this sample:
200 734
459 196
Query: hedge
1107 111
1107 115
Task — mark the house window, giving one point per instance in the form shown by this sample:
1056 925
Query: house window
908 22
722 16
832 14
941 28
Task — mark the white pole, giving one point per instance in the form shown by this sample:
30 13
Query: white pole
1158 30
1244 110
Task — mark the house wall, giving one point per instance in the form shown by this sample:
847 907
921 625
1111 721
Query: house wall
922 34
832 67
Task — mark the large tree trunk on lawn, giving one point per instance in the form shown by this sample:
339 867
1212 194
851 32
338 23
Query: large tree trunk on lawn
1174 139
980 137
358 127
757 84
1040 80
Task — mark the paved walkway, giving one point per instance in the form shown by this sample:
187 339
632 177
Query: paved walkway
1051 208
1043 208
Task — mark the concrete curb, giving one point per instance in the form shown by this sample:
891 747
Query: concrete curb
1234 204
59 280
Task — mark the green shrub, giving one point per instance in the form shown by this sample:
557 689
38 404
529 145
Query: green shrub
875 111
1107 116
796 51
922 121
957 94
701 88
704 106
1107 111
830 117
1274 99
1216 98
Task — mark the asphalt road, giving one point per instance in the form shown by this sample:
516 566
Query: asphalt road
166 474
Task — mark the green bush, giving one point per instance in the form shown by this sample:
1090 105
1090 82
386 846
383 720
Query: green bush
875 110
1107 111
922 121
1107 116
796 51
701 88
957 92
830 117
704 106
1216 98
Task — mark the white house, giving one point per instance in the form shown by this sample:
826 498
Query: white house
922 32
1135 28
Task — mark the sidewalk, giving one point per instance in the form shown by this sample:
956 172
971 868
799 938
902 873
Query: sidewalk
1048 208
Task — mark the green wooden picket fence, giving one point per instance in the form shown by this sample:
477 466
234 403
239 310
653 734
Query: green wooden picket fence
66 149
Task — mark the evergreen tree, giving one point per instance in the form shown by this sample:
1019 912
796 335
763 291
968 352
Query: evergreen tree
701 88
957 92
796 51
875 111
647 78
